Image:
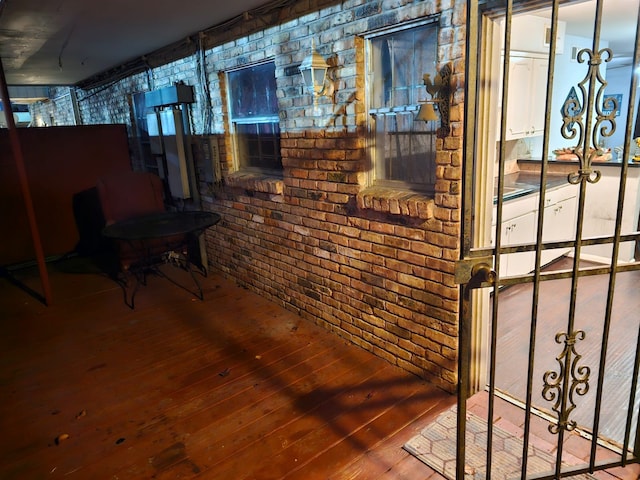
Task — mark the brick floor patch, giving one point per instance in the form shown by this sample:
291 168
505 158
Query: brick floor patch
436 447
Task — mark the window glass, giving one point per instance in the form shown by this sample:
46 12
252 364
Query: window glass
255 124
404 149
259 145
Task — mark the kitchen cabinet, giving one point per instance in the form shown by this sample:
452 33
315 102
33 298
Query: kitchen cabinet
520 222
600 212
531 33
518 227
559 220
516 231
526 96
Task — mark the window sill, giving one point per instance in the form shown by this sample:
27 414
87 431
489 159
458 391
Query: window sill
256 182
396 202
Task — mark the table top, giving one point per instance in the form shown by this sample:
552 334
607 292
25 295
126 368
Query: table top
163 224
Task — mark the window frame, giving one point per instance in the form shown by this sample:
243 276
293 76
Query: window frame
237 159
373 177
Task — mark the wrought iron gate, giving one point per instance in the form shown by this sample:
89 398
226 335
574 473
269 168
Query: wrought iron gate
560 382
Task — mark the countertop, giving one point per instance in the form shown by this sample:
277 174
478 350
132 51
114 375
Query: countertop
610 163
525 183
527 180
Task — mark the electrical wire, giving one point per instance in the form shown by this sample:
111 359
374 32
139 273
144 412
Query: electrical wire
181 49
202 73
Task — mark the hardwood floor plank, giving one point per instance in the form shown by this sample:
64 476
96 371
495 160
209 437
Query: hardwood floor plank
311 435
514 319
114 408
387 459
228 415
410 468
240 432
232 387
173 389
356 438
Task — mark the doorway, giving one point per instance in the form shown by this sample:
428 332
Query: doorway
552 202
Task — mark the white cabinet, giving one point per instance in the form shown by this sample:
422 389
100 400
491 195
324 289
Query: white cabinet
518 227
601 209
526 97
531 33
517 231
520 224
559 220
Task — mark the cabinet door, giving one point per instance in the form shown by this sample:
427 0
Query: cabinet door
531 33
519 230
538 95
527 97
519 97
559 224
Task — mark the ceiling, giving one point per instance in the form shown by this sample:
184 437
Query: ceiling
62 42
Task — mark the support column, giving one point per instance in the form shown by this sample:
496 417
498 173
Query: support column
24 186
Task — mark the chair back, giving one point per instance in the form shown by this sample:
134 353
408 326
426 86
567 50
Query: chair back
130 194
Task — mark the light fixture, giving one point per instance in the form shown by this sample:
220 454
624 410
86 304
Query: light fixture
427 113
440 91
314 72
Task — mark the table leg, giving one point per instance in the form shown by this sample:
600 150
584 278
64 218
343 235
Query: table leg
129 282
181 261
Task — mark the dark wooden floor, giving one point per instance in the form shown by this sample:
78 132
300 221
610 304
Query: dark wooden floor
553 311
232 387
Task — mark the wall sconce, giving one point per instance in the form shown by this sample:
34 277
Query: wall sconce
440 91
314 73
427 113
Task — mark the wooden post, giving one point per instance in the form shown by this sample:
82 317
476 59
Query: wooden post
24 186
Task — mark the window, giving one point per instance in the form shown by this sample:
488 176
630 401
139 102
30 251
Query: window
404 149
253 107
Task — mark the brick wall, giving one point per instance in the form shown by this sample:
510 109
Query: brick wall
373 265
58 110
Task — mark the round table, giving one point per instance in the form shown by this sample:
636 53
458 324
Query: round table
163 231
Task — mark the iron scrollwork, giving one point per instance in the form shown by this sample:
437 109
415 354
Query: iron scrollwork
576 108
578 382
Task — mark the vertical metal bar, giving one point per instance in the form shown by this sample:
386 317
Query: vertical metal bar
636 369
498 238
24 186
607 321
539 241
612 275
464 335
586 137
632 400
464 358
